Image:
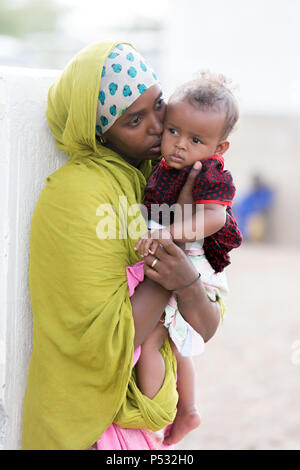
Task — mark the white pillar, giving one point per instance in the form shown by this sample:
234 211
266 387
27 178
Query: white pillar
27 155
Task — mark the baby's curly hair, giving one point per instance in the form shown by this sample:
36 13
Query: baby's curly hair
210 91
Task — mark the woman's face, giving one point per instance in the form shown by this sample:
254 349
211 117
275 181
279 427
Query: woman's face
136 135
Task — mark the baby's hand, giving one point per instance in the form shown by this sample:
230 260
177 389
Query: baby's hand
146 246
149 242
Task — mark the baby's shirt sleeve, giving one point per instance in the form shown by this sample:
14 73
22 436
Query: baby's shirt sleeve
214 184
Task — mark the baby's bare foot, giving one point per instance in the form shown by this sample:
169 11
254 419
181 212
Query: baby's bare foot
185 421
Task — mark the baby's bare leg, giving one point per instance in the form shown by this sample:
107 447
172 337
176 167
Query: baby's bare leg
185 382
150 368
187 417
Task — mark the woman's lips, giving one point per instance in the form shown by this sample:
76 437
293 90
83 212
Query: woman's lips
155 148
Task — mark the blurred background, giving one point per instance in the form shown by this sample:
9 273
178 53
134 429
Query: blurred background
248 380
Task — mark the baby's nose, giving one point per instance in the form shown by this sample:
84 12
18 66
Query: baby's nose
181 143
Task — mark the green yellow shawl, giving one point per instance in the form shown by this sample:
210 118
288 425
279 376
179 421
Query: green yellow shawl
80 375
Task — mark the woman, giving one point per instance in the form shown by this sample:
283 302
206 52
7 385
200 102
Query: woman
87 331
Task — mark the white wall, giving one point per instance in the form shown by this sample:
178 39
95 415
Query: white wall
27 156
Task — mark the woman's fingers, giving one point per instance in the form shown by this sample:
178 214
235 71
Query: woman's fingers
152 274
196 168
149 260
170 267
152 270
185 195
166 246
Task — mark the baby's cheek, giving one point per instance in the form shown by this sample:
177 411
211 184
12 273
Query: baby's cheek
165 144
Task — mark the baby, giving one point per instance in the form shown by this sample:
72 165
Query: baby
200 116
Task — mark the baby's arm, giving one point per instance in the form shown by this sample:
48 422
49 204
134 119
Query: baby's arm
189 231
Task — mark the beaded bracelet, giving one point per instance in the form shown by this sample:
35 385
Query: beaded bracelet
188 285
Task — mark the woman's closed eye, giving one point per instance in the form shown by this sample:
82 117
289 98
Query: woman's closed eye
160 103
135 121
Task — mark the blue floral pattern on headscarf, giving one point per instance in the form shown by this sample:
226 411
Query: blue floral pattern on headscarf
124 77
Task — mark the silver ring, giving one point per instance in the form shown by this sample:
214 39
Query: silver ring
154 262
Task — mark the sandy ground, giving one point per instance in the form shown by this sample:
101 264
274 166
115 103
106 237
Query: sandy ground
248 379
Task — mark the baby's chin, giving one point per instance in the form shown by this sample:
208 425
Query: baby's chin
175 163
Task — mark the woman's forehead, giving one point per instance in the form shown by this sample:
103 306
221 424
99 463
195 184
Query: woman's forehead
145 102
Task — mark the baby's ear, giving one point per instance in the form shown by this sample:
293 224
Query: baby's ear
222 147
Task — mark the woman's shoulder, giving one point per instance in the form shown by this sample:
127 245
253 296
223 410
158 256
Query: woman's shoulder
77 183
81 175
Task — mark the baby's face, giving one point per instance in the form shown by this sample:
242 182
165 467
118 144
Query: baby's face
190 134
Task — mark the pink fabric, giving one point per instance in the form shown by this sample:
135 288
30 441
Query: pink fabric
116 438
135 275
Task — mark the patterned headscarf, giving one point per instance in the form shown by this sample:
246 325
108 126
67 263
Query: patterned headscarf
125 77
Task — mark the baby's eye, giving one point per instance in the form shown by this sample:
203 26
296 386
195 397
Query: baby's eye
196 140
173 131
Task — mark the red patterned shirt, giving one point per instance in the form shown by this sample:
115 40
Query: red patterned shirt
213 185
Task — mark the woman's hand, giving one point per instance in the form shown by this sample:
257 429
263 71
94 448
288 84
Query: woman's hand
185 195
172 269
169 267
185 198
